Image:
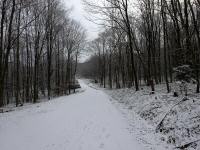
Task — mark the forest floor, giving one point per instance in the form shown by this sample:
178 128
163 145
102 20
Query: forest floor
84 121
166 120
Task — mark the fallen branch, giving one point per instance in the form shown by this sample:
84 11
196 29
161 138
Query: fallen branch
161 122
187 145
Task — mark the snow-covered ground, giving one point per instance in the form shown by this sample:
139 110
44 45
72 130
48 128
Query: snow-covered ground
83 121
180 115
143 131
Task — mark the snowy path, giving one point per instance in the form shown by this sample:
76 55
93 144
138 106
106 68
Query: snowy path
84 121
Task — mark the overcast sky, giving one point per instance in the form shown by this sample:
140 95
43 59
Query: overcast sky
78 13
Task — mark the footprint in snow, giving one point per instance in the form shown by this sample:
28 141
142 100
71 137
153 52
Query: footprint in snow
107 135
103 130
101 145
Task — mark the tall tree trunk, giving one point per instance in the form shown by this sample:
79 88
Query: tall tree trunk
17 86
5 59
164 18
131 48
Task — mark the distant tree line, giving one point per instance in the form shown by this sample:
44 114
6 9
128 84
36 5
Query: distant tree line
144 41
39 48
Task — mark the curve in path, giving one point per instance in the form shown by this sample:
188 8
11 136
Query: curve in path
83 121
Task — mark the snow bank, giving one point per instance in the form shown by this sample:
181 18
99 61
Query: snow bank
181 118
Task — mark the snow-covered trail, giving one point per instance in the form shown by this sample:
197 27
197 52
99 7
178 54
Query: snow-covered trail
83 121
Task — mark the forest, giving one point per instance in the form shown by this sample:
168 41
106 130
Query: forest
145 42
39 48
131 83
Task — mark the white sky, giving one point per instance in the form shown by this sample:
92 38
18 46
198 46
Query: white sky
78 13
